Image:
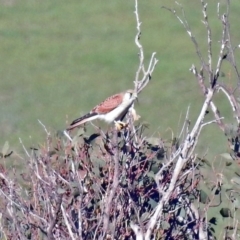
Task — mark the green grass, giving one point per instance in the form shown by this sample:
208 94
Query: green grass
59 59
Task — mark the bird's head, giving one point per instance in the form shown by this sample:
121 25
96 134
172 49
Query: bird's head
130 94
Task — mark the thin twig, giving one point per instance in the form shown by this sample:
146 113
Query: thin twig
185 24
209 40
147 75
67 223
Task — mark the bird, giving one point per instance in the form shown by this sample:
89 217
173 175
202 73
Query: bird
113 109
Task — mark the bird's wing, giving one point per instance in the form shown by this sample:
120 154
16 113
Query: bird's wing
104 107
109 104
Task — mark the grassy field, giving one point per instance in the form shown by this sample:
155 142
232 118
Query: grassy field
58 59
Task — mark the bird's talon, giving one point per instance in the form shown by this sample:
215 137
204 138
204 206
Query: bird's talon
120 125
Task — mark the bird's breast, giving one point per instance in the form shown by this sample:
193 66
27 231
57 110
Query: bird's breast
117 112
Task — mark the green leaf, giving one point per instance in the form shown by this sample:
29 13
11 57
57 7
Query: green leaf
155 167
204 197
123 181
205 161
151 174
60 134
5 148
144 216
228 164
153 203
225 212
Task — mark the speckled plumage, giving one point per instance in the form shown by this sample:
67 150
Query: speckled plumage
111 109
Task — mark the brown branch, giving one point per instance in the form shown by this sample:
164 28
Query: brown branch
113 188
54 218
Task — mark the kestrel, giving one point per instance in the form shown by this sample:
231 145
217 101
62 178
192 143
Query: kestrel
113 109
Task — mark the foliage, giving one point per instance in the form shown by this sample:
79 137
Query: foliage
68 190
65 189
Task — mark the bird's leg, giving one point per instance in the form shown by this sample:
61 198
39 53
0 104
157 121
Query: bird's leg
120 125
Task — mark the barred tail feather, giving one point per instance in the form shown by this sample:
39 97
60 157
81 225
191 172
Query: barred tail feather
79 121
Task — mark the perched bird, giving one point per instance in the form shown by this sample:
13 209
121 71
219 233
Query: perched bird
113 109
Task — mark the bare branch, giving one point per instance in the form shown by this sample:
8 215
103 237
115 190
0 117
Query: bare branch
234 104
113 188
67 223
139 45
185 153
147 75
189 32
221 53
209 39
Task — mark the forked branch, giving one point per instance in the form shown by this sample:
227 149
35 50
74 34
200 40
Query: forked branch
143 76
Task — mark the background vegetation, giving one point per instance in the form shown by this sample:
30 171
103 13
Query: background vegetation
58 59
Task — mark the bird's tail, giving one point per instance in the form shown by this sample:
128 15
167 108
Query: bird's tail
79 121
